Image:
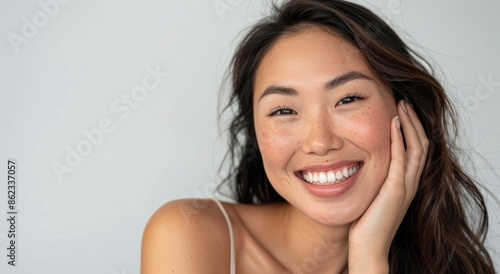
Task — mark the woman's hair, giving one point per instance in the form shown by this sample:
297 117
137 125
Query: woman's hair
436 235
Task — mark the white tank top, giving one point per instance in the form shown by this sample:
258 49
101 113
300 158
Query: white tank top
232 264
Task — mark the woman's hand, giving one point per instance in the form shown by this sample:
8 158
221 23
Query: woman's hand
370 236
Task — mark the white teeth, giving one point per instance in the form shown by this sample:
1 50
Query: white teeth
339 175
322 177
330 177
306 177
345 172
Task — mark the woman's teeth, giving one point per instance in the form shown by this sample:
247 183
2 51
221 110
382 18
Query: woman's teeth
330 177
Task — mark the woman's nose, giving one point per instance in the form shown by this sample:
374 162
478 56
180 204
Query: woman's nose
320 135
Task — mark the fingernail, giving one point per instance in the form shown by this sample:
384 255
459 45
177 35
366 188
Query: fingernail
397 122
403 104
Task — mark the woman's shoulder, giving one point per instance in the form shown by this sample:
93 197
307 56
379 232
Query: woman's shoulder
187 211
186 236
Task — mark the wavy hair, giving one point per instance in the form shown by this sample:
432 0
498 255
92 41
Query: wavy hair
436 235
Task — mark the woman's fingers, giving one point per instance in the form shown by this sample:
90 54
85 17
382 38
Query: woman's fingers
416 146
421 134
399 188
397 168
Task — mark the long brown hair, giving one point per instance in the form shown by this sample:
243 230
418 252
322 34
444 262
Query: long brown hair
436 235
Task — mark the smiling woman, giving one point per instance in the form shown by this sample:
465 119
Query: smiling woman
311 137
332 165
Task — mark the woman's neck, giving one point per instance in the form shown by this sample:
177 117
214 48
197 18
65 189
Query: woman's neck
312 247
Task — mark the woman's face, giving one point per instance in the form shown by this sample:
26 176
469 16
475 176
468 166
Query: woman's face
322 122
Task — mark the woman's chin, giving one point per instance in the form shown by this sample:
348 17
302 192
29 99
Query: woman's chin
337 218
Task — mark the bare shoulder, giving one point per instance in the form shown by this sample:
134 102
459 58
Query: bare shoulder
186 236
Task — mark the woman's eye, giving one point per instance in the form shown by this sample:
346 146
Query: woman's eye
349 99
282 111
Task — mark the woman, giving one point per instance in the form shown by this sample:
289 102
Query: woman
343 160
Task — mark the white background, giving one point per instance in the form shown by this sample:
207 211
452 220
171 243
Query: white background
64 77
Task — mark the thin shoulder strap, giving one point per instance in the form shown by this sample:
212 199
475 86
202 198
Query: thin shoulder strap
232 265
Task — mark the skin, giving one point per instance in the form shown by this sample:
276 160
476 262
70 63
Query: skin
322 130
311 128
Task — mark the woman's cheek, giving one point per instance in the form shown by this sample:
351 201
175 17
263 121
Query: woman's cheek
371 132
274 144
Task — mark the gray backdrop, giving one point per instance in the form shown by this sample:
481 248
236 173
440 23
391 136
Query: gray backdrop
109 110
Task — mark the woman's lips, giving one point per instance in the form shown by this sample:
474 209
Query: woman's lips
330 189
332 176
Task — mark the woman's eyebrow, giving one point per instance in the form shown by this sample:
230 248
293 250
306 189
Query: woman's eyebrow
338 81
344 78
279 90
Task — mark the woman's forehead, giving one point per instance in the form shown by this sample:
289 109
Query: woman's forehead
308 55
